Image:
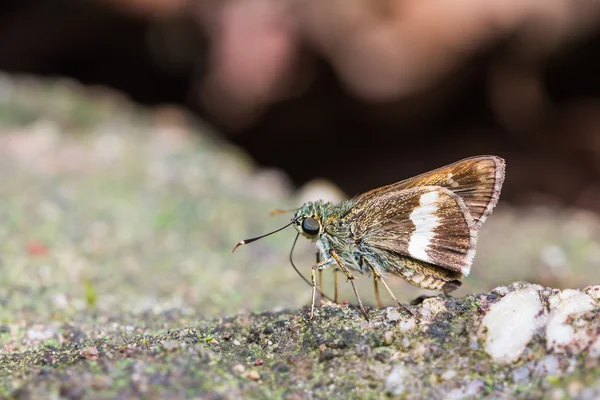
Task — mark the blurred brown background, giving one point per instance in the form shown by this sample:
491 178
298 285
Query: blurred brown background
361 92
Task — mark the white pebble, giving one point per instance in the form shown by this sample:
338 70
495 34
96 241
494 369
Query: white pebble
395 382
511 323
560 334
239 368
448 375
393 314
406 325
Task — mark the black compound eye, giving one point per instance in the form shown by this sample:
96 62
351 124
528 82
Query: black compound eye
311 226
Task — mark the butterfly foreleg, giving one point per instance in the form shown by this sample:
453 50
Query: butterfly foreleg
335 281
320 275
350 278
313 280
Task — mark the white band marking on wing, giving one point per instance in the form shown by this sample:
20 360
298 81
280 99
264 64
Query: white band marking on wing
425 221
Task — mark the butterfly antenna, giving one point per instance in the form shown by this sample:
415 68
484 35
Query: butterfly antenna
246 241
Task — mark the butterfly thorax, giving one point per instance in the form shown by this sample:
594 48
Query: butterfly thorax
329 216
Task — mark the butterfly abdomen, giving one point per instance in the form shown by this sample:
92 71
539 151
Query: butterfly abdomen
419 273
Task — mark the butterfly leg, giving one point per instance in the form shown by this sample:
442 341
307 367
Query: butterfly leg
351 279
379 303
375 285
313 279
335 282
314 292
335 285
377 276
320 276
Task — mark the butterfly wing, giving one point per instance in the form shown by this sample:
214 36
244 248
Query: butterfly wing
477 180
429 223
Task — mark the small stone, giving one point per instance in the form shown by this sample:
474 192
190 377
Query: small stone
259 362
395 383
388 338
91 353
447 375
236 342
510 324
239 368
407 324
561 336
268 330
393 315
253 375
49 359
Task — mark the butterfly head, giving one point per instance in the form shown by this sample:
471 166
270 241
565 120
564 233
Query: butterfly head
308 220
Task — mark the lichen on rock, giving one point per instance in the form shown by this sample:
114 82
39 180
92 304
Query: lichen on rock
340 354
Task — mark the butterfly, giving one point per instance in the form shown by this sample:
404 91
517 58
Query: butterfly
423 229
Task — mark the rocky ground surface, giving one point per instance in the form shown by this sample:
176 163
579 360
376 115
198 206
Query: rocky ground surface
116 226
